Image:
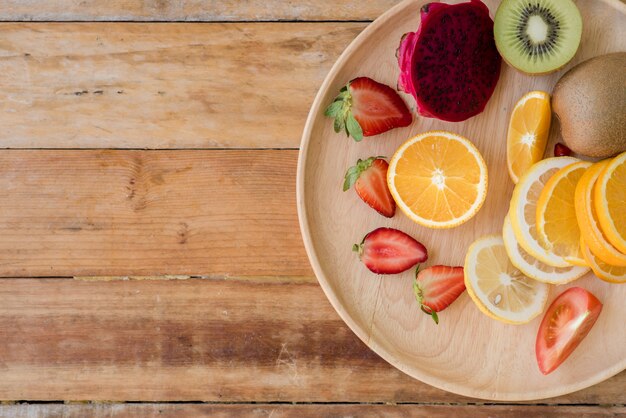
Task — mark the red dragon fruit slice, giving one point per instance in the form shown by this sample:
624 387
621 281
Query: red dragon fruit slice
450 64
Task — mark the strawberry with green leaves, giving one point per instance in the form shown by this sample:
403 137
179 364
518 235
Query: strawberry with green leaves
436 287
369 178
365 107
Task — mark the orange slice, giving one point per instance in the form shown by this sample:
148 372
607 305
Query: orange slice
528 133
438 179
610 201
533 268
557 227
523 209
604 271
588 219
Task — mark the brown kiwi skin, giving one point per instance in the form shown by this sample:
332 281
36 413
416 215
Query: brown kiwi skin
590 103
546 72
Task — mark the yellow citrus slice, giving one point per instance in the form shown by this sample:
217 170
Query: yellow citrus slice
528 132
610 201
588 219
497 287
557 227
523 209
533 268
604 271
438 179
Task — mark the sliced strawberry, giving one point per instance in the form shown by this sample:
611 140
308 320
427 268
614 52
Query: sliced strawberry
437 287
369 178
561 150
389 251
365 107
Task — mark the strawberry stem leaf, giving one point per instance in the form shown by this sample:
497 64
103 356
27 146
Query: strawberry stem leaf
353 128
352 175
419 296
340 110
338 124
334 109
432 314
354 172
418 293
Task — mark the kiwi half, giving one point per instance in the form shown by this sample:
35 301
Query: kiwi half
537 36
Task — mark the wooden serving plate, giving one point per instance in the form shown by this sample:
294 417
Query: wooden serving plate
468 353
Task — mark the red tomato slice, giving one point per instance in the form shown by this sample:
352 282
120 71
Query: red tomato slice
566 323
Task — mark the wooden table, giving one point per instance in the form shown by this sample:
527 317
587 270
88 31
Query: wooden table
150 254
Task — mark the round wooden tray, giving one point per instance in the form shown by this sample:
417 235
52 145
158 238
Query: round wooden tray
468 353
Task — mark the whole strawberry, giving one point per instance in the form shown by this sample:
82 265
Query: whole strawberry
369 178
437 287
365 107
389 251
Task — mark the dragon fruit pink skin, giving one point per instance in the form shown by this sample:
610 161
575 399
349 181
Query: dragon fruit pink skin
450 64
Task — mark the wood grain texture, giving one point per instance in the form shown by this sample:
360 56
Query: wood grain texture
471 354
192 10
120 213
122 85
306 411
207 340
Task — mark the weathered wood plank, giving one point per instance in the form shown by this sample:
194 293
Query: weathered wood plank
208 340
192 10
306 411
119 213
124 85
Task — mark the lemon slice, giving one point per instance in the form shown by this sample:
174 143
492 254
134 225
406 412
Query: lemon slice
497 287
557 226
604 271
528 132
610 201
533 268
523 209
438 179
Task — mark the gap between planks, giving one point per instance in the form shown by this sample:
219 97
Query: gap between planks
247 279
183 410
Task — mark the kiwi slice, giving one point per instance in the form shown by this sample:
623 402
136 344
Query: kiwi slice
537 36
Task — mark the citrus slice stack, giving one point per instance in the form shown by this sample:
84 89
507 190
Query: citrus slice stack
497 287
604 271
587 217
528 133
533 268
523 209
438 179
610 201
557 226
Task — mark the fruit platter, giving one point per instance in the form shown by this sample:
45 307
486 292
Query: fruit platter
462 193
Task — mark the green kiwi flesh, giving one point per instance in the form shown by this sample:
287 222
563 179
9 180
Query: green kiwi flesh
537 36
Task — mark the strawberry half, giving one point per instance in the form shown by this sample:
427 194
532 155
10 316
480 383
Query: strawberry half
389 251
369 178
365 107
437 287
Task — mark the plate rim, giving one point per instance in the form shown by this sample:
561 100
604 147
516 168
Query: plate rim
309 246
